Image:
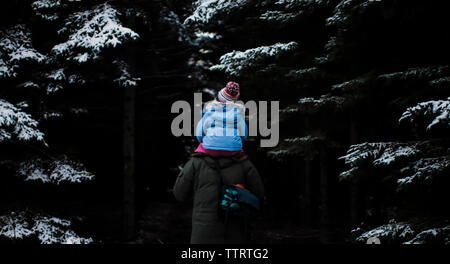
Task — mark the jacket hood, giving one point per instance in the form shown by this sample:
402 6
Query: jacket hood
219 106
224 112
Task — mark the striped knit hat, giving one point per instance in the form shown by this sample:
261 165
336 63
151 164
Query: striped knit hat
230 92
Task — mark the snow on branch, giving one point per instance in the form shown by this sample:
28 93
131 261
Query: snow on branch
440 235
299 146
306 73
47 229
92 31
213 11
281 17
381 154
57 171
326 103
292 10
391 232
423 171
15 124
236 63
125 79
15 48
436 113
341 13
46 9
415 231
58 79
420 73
350 86
311 105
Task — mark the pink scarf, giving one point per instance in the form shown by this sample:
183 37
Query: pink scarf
216 153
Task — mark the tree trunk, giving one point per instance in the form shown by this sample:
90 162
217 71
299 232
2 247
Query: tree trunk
308 187
129 213
354 184
324 213
308 193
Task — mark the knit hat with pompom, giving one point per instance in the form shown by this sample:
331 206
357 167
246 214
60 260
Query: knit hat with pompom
230 92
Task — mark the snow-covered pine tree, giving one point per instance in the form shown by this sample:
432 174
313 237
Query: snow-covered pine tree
357 68
46 89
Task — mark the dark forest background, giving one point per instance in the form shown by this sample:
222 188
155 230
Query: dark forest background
86 89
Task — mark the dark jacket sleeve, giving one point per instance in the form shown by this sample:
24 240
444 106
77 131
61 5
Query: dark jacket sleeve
185 181
254 181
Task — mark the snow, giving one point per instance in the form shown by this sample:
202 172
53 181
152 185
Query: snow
431 234
30 84
78 111
56 75
49 230
45 4
391 154
46 9
16 48
423 171
348 86
418 73
76 79
203 37
440 83
54 171
207 35
381 154
91 32
278 16
406 233
309 104
438 112
340 15
51 115
392 232
125 79
298 146
15 124
303 73
235 63
213 11
292 10
53 88
293 4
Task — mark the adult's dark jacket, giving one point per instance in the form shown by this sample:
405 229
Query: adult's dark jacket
199 179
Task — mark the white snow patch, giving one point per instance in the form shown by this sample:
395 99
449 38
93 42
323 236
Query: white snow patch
438 112
92 31
16 48
49 230
17 124
54 171
236 62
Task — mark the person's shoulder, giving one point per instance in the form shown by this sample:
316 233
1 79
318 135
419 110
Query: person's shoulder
240 157
198 157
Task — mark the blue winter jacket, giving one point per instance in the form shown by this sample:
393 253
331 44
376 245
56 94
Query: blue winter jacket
222 127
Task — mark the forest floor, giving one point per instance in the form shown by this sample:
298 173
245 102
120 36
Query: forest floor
170 223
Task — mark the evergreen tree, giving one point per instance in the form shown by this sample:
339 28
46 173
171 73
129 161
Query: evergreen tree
44 89
347 73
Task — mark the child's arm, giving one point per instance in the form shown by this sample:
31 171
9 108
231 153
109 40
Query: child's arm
202 125
199 131
243 130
